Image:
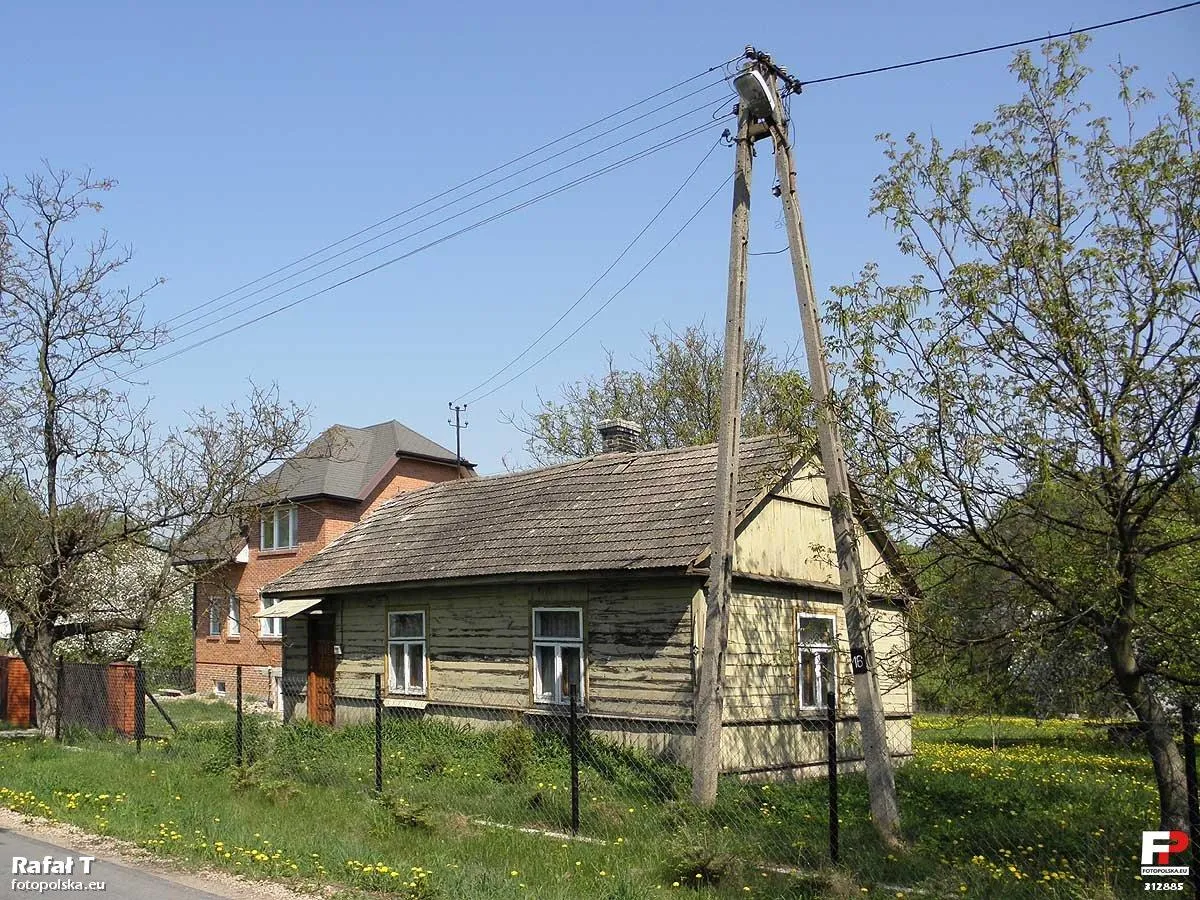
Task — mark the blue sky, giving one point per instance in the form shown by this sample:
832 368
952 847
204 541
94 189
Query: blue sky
246 135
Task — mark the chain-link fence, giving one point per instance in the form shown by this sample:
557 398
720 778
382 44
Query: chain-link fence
181 679
100 699
995 802
992 806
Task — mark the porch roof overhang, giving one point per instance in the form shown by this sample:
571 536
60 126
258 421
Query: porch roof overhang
285 609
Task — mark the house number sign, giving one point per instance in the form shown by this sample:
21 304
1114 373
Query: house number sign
858 660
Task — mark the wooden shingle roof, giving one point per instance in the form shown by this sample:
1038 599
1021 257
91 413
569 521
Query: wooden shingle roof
616 511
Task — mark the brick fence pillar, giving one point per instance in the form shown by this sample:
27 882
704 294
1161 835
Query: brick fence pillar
18 693
122 698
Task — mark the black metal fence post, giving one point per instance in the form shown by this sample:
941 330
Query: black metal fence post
574 740
237 732
831 742
60 696
1189 768
139 705
378 733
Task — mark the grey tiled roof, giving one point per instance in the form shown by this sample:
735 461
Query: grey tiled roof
343 461
609 512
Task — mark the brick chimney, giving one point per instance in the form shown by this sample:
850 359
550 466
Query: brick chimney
620 435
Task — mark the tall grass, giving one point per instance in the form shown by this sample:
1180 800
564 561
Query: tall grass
1054 812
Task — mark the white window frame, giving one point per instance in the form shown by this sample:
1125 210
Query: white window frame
214 616
219 687
233 619
404 683
556 695
269 628
274 514
822 689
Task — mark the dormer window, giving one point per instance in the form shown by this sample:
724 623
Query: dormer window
279 528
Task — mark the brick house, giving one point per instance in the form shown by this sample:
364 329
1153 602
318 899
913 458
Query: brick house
316 497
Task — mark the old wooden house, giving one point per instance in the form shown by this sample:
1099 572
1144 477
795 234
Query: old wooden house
477 599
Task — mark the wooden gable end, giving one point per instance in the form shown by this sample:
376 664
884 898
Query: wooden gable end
788 535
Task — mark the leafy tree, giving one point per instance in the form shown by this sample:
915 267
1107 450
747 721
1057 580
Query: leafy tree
674 393
85 476
975 653
1030 405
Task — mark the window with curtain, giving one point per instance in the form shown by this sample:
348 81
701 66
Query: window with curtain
816 645
406 652
557 654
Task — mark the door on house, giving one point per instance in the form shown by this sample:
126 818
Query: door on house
322 664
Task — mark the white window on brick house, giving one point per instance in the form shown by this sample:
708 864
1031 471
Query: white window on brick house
406 652
269 628
816 646
557 653
216 606
219 688
278 528
233 622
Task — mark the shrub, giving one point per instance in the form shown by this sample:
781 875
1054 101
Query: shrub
214 745
433 761
278 790
402 814
514 751
306 751
695 855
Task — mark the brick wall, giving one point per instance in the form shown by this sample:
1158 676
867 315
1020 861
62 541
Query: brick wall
16 692
408 475
320 522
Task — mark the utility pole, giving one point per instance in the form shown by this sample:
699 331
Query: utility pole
761 114
881 781
710 698
458 425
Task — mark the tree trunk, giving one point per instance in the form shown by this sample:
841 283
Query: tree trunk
1160 741
37 649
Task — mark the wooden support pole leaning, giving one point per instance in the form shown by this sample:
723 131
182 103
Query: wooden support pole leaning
710 695
881 780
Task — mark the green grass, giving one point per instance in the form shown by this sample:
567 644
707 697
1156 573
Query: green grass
186 711
1055 803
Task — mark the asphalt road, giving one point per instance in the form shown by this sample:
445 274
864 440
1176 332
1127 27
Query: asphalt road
120 882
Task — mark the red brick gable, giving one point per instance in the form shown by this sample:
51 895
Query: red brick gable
320 521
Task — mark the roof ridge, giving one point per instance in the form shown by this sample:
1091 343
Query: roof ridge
419 495
589 514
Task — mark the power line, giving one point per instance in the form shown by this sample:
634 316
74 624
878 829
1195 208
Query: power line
360 232
827 79
266 287
463 184
642 154
603 306
994 47
662 209
240 300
